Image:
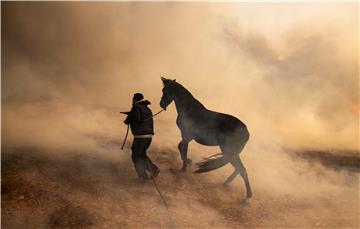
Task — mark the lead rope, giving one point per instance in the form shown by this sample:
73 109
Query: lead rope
127 131
153 115
173 225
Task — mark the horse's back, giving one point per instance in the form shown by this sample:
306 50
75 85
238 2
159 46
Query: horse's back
214 128
227 123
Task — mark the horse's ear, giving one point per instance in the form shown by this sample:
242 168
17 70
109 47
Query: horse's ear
163 80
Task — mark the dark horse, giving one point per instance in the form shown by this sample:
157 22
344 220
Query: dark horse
207 128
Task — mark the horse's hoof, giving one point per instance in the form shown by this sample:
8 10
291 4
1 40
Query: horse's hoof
244 201
249 195
226 187
186 163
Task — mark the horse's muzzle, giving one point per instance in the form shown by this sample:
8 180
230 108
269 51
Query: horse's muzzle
162 105
164 108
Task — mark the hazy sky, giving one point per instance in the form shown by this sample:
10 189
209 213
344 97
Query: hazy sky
288 70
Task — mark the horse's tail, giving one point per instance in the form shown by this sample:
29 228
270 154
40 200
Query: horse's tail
211 163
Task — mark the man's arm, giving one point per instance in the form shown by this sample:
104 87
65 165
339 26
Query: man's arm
134 116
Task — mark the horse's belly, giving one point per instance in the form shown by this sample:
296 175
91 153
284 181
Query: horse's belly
206 141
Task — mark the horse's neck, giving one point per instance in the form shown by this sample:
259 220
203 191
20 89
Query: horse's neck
186 103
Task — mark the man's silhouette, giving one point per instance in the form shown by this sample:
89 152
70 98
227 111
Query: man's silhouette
141 124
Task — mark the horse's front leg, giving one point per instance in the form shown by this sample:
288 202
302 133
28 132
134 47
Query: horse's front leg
183 148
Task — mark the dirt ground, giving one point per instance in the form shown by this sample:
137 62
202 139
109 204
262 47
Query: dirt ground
89 190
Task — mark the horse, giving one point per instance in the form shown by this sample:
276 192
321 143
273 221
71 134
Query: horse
208 128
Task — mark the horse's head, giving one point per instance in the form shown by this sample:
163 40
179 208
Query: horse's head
168 92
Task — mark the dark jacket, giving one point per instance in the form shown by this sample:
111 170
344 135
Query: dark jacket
140 118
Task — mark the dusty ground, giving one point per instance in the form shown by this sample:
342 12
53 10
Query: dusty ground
90 190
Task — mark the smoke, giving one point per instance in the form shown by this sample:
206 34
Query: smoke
101 53
289 73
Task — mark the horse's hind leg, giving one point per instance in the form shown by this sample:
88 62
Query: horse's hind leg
241 169
234 174
228 152
231 177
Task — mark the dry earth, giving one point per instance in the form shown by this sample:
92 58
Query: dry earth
90 190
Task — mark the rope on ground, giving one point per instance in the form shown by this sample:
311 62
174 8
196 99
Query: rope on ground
173 225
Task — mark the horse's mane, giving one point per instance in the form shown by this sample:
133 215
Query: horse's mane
186 94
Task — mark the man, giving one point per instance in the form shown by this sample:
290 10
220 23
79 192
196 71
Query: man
141 124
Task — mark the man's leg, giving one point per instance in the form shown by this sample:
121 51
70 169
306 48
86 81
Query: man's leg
152 168
139 158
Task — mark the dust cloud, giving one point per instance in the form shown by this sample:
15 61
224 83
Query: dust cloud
290 73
